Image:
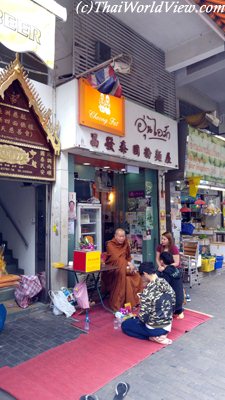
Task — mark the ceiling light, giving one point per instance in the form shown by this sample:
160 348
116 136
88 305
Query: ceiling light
203 187
123 170
86 163
106 167
221 189
220 137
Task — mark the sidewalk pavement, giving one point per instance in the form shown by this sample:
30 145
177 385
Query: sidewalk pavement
191 368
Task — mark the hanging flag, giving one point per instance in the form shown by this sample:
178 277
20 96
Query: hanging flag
106 81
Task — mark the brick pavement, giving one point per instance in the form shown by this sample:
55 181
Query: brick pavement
191 368
28 334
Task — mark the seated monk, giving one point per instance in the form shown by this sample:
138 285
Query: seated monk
124 283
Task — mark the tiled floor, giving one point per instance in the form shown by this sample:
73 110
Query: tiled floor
27 334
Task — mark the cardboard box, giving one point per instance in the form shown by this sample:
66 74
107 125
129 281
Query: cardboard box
86 260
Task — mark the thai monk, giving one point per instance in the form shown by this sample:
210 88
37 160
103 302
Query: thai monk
124 283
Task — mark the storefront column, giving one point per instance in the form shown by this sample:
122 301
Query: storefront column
71 237
59 224
149 246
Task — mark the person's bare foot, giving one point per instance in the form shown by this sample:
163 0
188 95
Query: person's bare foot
163 339
180 316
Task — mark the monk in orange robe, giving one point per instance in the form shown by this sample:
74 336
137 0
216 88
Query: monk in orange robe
124 283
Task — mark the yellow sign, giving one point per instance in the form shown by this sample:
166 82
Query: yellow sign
193 185
100 111
86 260
25 26
93 261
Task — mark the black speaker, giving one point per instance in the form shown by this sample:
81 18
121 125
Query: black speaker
102 52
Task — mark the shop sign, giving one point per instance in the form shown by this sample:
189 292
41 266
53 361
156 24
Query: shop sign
205 156
100 111
25 26
150 137
24 150
30 163
136 193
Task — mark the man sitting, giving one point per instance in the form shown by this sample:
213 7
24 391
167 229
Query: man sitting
156 308
124 283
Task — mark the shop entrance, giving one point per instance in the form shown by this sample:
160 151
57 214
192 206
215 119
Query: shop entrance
127 200
24 215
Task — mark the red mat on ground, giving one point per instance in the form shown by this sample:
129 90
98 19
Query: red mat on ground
87 363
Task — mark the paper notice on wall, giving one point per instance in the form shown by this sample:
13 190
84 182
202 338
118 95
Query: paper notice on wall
72 206
147 235
140 223
149 218
131 217
70 227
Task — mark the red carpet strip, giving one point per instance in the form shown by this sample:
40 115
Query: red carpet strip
86 364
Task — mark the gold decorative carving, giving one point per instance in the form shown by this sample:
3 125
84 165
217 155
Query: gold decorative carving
15 155
14 71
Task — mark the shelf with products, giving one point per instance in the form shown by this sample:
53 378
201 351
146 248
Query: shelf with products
88 225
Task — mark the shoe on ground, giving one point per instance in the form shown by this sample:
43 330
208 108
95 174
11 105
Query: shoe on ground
122 389
89 397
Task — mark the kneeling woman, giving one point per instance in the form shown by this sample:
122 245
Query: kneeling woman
156 308
167 245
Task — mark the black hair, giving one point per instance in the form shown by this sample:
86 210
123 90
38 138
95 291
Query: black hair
147 267
166 257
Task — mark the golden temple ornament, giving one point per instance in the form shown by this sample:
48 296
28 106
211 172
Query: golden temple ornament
15 70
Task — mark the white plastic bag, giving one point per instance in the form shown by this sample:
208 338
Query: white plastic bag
56 311
59 300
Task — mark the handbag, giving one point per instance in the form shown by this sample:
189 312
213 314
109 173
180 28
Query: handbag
60 303
81 295
29 287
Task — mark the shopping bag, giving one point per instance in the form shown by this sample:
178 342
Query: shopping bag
3 314
81 295
29 287
61 303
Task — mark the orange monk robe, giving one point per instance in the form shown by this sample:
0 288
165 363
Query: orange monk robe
122 285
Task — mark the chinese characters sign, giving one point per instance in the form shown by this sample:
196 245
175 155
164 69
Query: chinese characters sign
24 150
150 137
22 162
100 111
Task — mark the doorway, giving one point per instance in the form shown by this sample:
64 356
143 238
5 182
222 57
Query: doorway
42 237
25 228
